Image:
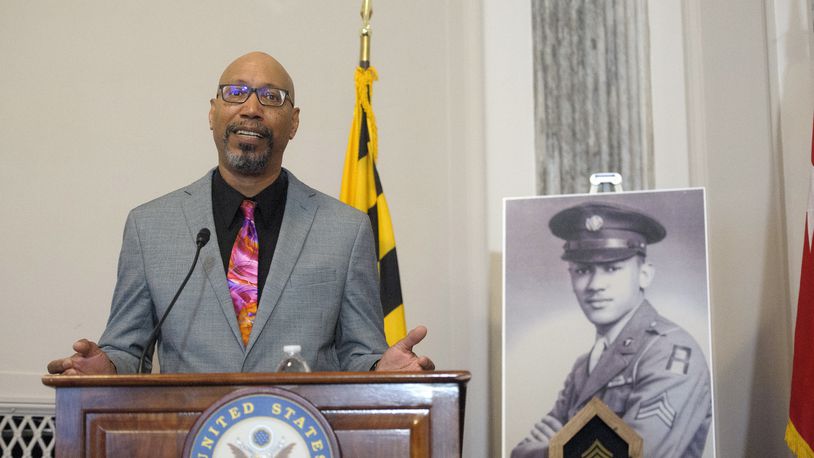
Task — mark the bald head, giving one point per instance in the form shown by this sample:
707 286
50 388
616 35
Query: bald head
251 136
262 65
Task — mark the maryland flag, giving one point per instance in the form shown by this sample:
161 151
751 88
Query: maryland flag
361 188
800 429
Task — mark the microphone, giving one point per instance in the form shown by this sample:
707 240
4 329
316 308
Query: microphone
201 240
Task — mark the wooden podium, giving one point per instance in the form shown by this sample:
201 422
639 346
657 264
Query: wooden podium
372 413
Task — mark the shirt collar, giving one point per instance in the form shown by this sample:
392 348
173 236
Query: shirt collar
228 199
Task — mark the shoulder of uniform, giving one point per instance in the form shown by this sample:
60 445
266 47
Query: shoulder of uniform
672 346
658 324
670 332
581 360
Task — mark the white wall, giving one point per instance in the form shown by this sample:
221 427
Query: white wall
743 108
106 106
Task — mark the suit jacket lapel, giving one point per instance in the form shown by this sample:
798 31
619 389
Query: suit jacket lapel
620 354
198 214
297 219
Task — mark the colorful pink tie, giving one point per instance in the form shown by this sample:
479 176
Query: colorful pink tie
242 275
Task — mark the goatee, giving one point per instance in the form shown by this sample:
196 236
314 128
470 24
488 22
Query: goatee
250 160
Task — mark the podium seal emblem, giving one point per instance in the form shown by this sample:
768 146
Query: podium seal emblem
261 423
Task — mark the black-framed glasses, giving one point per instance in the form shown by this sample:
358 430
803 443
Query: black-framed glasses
267 96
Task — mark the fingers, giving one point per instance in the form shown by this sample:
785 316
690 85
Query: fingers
426 364
553 423
58 366
85 347
546 428
542 432
400 356
87 353
412 338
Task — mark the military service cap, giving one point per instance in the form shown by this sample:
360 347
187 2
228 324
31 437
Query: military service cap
600 232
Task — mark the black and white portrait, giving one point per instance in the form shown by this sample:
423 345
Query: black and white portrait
605 295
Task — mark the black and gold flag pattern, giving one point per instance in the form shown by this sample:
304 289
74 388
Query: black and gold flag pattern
362 189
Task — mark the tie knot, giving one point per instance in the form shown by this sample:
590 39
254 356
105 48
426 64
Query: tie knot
247 207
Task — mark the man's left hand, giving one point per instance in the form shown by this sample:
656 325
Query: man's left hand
400 357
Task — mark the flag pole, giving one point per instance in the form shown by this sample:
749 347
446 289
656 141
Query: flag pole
364 34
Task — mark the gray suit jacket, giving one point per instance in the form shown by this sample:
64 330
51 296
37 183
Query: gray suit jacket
321 293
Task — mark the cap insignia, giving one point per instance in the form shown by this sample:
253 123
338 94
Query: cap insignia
594 223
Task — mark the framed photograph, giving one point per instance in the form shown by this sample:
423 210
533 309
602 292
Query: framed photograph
606 295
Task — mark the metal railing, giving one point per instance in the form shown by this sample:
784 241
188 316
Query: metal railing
26 430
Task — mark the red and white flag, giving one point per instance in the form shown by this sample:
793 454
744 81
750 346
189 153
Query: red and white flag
800 429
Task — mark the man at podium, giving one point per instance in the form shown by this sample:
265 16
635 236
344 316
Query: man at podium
286 263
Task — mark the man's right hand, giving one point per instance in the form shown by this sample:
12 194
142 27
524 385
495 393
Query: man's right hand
536 444
400 356
545 429
89 359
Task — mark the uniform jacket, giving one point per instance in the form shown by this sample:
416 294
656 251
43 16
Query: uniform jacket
655 377
321 293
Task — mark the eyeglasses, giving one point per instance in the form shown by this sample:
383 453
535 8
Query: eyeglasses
267 96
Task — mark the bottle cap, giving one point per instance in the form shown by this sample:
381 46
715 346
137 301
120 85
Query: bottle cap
292 348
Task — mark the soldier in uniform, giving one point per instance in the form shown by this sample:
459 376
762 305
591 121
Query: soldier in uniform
647 369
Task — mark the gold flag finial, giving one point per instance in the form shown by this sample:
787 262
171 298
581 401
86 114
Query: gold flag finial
364 34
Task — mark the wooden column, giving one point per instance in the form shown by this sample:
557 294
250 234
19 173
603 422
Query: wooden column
592 93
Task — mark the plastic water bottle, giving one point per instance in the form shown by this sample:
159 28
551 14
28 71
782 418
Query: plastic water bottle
293 360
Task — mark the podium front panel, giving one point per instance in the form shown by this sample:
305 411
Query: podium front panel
372 414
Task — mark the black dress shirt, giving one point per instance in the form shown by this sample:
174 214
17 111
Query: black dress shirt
268 217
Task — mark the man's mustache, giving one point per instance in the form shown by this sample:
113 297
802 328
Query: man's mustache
264 131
